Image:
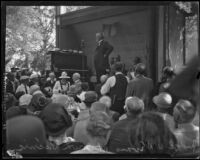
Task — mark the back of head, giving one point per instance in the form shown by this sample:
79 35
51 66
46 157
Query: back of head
163 100
56 119
103 78
26 134
118 66
76 76
97 106
106 100
99 124
61 99
153 134
25 99
184 111
34 88
134 105
84 86
90 97
140 69
13 112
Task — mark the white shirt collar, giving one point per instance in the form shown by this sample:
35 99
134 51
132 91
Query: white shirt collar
99 43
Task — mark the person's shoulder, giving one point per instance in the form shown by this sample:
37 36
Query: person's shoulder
70 147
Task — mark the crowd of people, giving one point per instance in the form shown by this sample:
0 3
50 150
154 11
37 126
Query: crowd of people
124 113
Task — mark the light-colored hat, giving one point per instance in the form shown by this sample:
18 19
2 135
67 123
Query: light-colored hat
134 104
24 77
33 76
34 88
25 99
163 100
38 91
64 75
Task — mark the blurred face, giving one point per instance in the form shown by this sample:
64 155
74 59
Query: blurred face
64 81
98 37
52 76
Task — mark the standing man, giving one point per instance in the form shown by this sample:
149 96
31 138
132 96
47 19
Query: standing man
116 87
141 86
101 57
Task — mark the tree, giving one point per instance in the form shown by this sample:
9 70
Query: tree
30 33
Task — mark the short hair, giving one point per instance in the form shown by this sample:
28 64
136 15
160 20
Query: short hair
84 86
184 111
152 134
106 100
118 66
76 75
140 68
134 105
99 124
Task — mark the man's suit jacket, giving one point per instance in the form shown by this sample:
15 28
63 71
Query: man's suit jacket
101 58
141 87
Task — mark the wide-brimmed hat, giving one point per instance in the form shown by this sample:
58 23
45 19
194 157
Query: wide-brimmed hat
56 119
90 97
163 100
64 75
24 77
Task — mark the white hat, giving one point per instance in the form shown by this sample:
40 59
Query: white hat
24 77
25 99
163 100
33 76
34 88
64 75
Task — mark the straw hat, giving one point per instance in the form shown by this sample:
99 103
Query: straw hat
64 75
163 100
24 77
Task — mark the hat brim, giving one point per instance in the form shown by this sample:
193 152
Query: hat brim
64 77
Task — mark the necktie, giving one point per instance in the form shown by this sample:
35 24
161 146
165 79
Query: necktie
26 89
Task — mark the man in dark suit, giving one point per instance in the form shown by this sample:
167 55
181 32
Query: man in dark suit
11 83
141 86
101 57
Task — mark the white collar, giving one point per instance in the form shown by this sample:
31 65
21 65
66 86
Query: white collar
99 43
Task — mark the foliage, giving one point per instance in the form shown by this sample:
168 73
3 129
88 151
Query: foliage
30 32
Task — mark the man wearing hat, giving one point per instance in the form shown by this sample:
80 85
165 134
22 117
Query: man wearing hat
57 121
101 57
163 101
62 85
24 85
34 79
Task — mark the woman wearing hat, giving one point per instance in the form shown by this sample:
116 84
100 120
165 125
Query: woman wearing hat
62 85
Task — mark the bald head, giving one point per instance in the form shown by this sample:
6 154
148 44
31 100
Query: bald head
134 105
